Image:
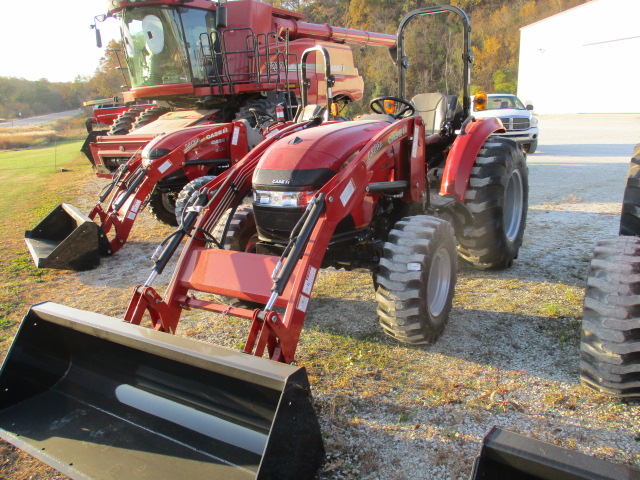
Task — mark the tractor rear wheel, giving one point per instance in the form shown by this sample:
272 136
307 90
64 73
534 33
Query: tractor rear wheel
162 205
417 279
497 196
630 218
123 124
609 343
185 199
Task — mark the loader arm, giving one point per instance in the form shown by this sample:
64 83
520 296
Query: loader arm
250 276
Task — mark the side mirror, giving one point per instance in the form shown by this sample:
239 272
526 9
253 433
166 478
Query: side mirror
530 107
221 16
98 38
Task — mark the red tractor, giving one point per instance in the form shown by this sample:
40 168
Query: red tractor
225 70
115 399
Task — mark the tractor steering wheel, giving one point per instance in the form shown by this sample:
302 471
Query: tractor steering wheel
377 105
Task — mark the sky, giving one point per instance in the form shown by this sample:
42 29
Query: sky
51 39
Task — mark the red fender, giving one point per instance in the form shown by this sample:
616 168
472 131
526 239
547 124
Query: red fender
457 171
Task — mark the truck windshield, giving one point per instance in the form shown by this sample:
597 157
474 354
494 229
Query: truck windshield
165 45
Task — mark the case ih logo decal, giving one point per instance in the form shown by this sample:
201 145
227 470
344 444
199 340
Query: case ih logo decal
193 143
391 138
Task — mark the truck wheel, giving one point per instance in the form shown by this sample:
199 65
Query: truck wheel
630 218
148 116
162 205
498 197
123 124
417 279
609 346
184 197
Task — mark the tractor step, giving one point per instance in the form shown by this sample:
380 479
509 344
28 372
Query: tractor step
116 400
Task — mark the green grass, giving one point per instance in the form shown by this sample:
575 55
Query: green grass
33 183
24 172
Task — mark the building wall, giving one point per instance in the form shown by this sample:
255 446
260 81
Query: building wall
583 60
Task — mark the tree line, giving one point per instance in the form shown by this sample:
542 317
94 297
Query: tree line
495 43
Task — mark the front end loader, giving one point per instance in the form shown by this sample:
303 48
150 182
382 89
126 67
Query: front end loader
243 76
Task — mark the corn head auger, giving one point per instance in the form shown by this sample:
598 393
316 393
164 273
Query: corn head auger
235 75
116 397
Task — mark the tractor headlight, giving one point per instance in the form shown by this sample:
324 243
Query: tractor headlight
150 152
282 199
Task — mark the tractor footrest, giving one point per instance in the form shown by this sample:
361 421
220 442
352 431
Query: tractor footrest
246 276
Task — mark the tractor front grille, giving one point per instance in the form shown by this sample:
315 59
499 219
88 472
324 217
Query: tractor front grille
515 123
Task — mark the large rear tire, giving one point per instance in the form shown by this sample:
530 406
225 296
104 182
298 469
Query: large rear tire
498 198
262 107
149 115
610 339
630 218
162 206
124 123
417 279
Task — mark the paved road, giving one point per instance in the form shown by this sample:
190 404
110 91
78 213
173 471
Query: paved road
50 117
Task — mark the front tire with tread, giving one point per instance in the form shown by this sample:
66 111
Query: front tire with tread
416 280
497 197
162 206
610 337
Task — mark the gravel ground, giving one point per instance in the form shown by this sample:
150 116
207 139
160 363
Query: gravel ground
509 356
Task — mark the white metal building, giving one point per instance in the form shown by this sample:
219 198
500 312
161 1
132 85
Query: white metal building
583 60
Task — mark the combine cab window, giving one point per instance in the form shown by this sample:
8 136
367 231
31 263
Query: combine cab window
155 47
197 24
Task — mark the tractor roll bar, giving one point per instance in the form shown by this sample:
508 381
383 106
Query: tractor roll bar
402 62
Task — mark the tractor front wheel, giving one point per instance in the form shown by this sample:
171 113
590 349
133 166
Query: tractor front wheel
609 346
162 206
242 234
498 198
416 280
124 123
186 198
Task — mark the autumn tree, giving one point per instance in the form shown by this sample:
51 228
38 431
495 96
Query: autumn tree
109 81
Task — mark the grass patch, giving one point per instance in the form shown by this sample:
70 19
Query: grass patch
33 183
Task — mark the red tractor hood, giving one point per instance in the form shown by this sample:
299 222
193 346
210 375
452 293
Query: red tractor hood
309 158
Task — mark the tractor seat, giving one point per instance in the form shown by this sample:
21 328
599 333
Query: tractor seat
432 107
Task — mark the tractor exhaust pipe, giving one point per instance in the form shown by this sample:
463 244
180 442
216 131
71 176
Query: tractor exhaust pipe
66 239
99 398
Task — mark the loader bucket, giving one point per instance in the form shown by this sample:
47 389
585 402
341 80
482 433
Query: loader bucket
99 398
66 239
509 455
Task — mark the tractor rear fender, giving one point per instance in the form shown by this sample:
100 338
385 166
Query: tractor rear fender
461 158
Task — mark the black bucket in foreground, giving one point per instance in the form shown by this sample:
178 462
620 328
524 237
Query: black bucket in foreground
98 398
65 239
506 455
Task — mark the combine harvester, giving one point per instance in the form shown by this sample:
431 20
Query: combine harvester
238 65
100 398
